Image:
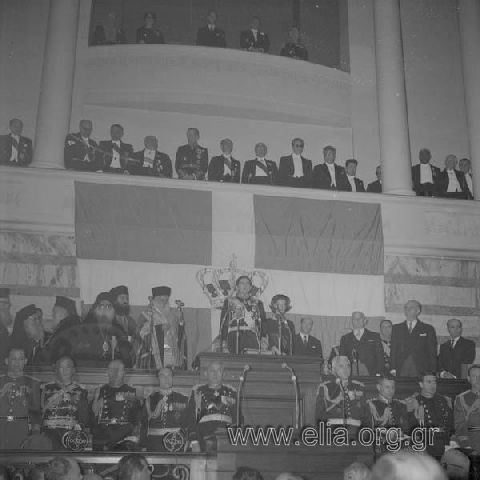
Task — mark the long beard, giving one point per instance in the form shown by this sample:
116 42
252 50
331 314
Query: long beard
122 309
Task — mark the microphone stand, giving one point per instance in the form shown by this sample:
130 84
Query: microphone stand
297 402
239 392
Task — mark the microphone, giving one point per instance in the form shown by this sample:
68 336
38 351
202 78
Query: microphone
246 368
290 369
297 401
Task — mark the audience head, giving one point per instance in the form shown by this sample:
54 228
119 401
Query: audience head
294 35
65 370
329 154
454 327
16 126
226 146
27 326
15 361
4 473
161 296
244 285
215 374
64 307
297 146
212 17
378 172
149 19
386 330
121 300
260 150
280 303
150 142
464 165
165 378
255 24
456 464
116 373
357 471
63 468
341 367
412 310
428 384
424 155
5 307
451 162
103 308
247 473
116 132
86 127
386 386
33 326
134 467
351 167
407 466
474 376
193 135
359 320
306 325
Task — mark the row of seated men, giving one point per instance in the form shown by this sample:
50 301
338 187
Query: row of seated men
210 35
192 163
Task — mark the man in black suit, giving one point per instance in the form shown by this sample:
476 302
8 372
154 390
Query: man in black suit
465 166
329 175
353 184
362 347
260 170
254 40
191 161
149 161
210 35
148 33
455 352
306 344
114 154
295 170
386 343
451 182
81 151
376 186
15 149
224 168
414 344
425 176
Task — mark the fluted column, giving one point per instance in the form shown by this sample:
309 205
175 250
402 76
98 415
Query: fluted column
55 102
469 23
392 104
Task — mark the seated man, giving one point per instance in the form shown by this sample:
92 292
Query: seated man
376 186
280 331
64 407
163 419
254 40
295 170
242 319
117 412
260 170
191 160
114 154
306 344
81 152
362 347
354 184
15 149
329 175
294 48
224 168
425 176
148 33
149 161
210 35
451 182
211 406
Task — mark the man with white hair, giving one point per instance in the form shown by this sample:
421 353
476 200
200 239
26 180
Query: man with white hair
357 471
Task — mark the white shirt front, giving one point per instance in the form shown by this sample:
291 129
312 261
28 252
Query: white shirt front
259 172
255 34
115 155
304 337
14 155
352 183
453 185
148 158
226 169
412 325
297 165
331 169
425 173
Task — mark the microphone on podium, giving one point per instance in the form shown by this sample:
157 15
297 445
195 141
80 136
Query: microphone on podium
295 386
246 368
241 380
288 367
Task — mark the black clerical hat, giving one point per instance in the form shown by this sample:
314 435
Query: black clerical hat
120 290
159 291
67 303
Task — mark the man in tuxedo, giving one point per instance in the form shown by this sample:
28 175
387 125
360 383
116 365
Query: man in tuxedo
465 166
114 154
362 347
191 161
414 344
353 184
149 161
306 344
451 182
329 175
224 168
425 176
81 151
376 186
295 170
455 352
15 149
260 170
210 35
254 40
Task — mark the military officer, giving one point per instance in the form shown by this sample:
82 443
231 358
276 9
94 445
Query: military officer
164 416
81 151
117 412
19 402
191 161
467 412
64 405
211 406
340 402
15 149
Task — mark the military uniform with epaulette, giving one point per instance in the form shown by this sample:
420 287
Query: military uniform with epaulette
191 163
467 419
164 421
116 424
19 409
64 410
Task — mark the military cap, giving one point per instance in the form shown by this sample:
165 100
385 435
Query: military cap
120 290
160 291
67 303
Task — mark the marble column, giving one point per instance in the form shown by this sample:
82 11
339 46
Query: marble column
469 23
392 105
55 102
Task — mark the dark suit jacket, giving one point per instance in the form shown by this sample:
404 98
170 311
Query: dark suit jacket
443 185
312 348
421 344
358 185
207 38
25 151
322 179
375 187
149 35
249 170
368 350
428 188
106 155
216 170
247 40
162 165
451 360
285 173
188 159
76 150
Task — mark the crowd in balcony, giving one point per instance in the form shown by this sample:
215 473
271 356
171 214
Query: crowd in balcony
192 162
